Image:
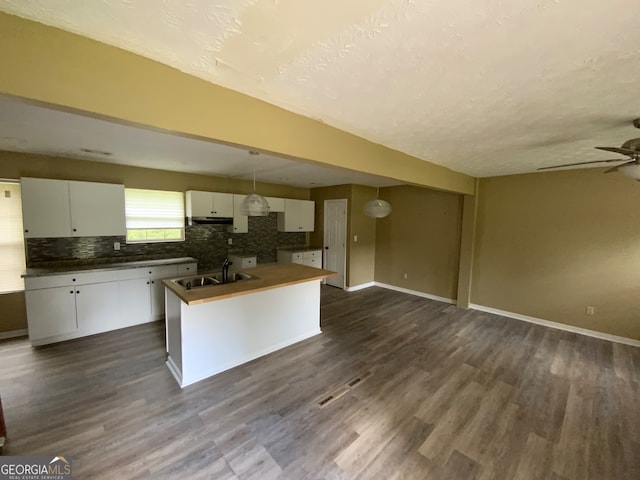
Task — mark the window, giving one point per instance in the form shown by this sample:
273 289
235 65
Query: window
154 215
12 261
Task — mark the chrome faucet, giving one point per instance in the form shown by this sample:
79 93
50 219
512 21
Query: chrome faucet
225 270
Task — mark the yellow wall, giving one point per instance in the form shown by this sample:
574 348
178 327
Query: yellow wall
548 245
14 314
363 252
360 254
45 64
421 238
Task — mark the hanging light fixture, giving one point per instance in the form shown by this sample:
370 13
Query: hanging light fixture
377 208
255 205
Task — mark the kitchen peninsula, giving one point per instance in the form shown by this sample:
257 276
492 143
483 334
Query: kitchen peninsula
213 328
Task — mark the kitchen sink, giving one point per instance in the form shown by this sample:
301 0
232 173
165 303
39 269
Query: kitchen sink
211 279
195 282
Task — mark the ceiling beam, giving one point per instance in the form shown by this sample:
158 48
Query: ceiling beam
46 64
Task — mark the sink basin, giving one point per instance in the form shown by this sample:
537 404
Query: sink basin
195 282
233 277
211 279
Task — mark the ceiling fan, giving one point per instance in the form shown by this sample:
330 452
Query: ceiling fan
630 148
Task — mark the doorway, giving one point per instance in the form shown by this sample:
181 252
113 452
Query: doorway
335 240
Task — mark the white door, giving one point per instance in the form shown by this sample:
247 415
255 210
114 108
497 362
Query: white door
335 236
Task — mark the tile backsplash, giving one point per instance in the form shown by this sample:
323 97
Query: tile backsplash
206 243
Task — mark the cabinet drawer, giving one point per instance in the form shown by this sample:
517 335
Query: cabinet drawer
164 271
52 281
312 254
96 277
49 281
133 273
297 257
187 269
314 262
240 262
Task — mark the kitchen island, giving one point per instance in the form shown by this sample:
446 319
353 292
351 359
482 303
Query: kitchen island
214 328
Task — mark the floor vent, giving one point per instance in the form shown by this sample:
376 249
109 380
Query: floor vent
340 391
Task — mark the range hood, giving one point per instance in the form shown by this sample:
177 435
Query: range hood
209 220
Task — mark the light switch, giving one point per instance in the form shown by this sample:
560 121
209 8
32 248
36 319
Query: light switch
116 245
355 238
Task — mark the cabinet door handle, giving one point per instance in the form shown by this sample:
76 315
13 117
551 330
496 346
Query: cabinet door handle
147 283
73 279
71 291
26 231
77 291
153 281
75 230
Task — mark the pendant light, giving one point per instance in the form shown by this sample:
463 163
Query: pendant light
255 205
377 208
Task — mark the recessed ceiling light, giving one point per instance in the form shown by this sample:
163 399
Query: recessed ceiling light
96 152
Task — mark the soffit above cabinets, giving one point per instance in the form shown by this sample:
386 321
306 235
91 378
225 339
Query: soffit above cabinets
35 129
482 87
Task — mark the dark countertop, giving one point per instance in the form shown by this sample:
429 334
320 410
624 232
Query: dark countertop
300 249
63 269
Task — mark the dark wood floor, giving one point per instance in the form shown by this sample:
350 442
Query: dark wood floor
444 393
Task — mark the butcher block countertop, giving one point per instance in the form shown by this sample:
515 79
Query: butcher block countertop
266 277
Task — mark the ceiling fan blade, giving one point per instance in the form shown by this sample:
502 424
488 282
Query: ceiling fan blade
586 163
623 151
614 169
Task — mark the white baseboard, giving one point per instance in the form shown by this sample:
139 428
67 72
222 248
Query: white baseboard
415 292
558 326
359 287
14 333
504 313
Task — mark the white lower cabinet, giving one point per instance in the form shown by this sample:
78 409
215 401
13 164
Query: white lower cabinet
60 307
135 301
50 312
311 258
97 307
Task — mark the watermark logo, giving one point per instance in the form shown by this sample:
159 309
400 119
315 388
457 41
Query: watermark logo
35 468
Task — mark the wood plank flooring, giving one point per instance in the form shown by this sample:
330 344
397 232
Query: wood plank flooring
445 393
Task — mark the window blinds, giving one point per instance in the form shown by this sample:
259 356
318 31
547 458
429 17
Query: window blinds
12 258
154 208
154 215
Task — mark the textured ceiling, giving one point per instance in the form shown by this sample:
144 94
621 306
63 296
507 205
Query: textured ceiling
484 87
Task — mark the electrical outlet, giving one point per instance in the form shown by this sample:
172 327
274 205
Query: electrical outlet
116 245
590 310
355 238
230 241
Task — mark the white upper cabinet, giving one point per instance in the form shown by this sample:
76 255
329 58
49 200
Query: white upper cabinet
275 204
97 209
298 216
209 204
45 208
61 208
240 221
